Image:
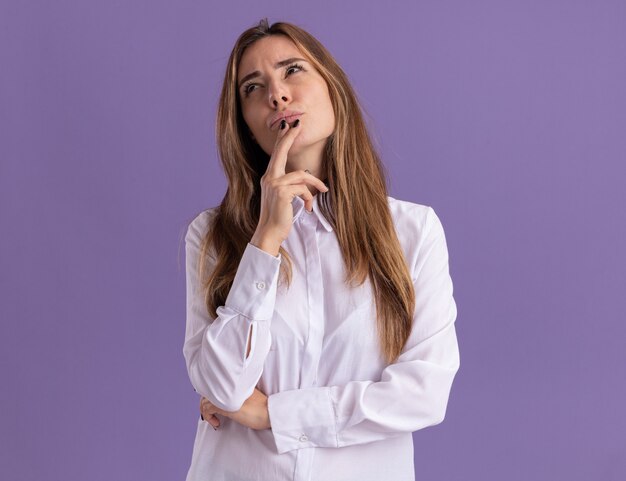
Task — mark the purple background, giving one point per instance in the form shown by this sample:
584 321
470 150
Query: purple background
507 117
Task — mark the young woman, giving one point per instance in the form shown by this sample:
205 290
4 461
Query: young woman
320 316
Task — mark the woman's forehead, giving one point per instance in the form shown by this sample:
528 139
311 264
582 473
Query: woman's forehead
267 51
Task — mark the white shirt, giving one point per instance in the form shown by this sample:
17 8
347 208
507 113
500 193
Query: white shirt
337 410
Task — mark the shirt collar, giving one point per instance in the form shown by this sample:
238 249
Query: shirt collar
298 210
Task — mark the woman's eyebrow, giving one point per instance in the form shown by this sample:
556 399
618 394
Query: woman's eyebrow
282 63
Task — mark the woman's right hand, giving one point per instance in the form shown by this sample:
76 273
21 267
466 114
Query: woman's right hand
278 190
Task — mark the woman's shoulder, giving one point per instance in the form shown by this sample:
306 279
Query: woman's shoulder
200 223
409 215
414 223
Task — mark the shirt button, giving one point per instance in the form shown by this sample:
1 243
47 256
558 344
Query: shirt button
303 438
260 285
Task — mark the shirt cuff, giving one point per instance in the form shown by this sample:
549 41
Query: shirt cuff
253 293
302 418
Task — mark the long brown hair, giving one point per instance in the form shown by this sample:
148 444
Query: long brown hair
356 204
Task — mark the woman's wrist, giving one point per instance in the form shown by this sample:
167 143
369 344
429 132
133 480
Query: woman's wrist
266 243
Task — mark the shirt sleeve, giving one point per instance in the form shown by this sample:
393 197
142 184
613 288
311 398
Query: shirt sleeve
412 392
215 349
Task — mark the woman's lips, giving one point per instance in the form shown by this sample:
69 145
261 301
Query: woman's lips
288 119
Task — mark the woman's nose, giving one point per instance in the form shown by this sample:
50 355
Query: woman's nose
278 95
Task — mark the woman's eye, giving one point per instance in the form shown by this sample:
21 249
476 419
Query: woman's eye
294 66
247 88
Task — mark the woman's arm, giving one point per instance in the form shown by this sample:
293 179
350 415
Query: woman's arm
253 413
412 392
225 355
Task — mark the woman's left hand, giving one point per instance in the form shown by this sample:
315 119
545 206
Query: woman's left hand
253 413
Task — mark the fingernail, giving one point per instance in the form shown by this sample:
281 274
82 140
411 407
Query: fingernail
295 124
283 124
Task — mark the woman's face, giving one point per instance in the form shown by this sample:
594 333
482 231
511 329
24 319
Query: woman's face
279 86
